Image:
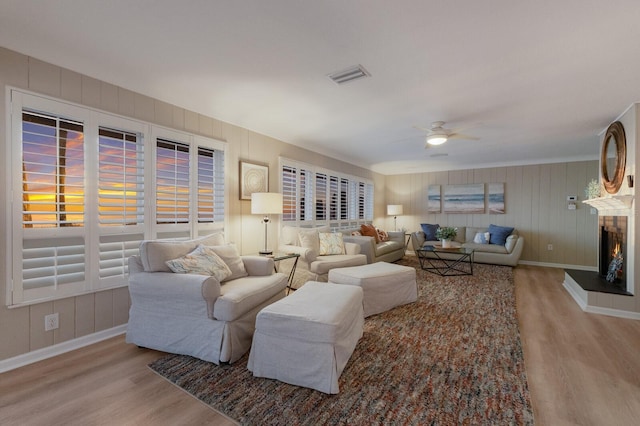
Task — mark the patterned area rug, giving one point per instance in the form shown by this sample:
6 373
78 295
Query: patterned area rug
453 357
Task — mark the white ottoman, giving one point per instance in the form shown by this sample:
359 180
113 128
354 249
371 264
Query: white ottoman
307 338
385 285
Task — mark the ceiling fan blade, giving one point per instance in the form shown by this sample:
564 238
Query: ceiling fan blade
463 136
422 128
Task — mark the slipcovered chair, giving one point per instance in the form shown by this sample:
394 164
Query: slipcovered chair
318 257
211 317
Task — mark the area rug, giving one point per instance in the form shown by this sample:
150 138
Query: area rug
453 357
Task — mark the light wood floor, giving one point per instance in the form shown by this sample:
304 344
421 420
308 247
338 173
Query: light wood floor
583 369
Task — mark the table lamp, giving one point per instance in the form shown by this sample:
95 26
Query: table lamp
266 203
394 210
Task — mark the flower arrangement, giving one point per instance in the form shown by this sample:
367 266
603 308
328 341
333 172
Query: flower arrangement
593 189
446 233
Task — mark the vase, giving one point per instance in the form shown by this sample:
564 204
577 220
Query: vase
446 243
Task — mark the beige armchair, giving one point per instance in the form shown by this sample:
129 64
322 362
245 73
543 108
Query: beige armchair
198 315
312 265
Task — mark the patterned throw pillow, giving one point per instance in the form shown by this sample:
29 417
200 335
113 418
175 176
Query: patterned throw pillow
382 235
201 261
331 243
482 238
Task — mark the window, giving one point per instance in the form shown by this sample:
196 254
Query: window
339 200
83 198
52 171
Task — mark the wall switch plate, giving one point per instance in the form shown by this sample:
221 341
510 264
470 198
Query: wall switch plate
549 247
51 322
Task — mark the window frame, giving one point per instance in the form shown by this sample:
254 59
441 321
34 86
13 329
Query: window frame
309 211
111 245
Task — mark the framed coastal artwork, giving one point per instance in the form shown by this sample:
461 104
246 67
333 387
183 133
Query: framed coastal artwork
467 198
496 198
434 201
253 178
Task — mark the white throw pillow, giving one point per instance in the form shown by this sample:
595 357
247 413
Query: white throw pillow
201 261
482 238
331 243
229 253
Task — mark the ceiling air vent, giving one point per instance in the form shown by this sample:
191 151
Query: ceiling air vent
349 74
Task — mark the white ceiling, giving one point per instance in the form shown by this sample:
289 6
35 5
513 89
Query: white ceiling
535 80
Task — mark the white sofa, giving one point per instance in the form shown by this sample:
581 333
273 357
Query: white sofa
193 314
313 266
383 251
497 254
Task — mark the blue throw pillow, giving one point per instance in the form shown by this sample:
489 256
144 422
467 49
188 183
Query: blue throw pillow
429 231
499 234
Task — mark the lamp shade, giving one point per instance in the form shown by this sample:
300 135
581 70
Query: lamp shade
266 203
394 209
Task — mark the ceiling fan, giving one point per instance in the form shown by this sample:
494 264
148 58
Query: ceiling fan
437 135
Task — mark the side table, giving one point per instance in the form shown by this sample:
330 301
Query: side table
277 257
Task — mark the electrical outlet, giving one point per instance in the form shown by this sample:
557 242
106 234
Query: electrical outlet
51 322
549 247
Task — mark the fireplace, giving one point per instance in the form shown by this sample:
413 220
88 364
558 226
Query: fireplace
613 250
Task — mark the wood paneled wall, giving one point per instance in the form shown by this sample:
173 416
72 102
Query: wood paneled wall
535 203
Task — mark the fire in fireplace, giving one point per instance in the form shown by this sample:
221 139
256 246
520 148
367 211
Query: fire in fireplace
613 244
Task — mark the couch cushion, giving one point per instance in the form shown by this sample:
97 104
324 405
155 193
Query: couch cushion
202 261
499 234
239 296
231 257
323 264
289 236
429 231
486 248
331 243
387 247
154 254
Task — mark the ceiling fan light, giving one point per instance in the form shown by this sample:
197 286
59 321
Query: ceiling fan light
436 139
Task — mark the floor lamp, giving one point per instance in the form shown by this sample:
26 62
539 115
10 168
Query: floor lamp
266 203
394 210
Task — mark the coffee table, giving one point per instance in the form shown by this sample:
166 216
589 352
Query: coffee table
446 261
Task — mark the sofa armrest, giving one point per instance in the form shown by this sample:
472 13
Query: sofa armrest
417 240
396 236
367 245
306 254
177 289
258 265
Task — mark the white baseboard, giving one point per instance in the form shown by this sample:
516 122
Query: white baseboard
559 265
581 297
60 348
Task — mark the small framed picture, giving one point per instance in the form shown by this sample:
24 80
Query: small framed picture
253 178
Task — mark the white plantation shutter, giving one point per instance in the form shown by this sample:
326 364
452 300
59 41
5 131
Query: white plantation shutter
334 201
313 195
49 263
344 199
210 185
52 171
368 203
86 187
321 196
120 178
289 193
172 182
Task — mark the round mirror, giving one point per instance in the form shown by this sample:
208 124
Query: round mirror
613 158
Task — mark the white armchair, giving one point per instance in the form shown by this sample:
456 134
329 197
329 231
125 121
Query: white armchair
314 266
198 315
